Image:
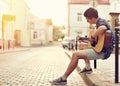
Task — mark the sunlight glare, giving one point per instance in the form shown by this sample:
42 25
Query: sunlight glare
54 9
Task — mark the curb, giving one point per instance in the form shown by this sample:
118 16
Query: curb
14 50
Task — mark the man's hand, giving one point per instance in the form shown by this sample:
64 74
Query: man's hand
78 38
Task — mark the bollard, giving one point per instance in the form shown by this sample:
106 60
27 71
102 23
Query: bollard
76 45
116 55
69 46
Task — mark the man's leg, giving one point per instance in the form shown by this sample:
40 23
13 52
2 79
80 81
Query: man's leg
87 68
72 65
87 62
74 61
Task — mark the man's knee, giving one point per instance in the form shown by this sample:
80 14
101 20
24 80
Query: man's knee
75 55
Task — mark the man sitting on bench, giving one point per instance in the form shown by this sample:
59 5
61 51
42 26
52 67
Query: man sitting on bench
101 42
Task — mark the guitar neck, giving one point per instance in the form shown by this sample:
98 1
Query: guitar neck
84 38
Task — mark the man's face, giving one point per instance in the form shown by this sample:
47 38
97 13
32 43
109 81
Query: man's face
91 21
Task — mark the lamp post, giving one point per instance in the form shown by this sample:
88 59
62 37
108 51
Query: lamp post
116 55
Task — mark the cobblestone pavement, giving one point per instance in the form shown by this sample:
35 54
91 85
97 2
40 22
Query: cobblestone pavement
36 68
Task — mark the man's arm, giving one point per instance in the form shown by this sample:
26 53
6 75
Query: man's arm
100 30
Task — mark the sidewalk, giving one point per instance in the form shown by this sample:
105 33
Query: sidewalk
16 49
104 74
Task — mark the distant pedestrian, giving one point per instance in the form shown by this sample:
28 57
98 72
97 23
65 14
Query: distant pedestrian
101 44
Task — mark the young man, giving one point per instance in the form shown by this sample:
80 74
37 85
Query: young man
102 26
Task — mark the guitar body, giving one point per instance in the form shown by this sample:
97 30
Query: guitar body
103 41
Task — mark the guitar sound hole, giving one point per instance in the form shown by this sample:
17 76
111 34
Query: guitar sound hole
93 43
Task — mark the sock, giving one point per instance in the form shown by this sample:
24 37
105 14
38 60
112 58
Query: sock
64 77
87 66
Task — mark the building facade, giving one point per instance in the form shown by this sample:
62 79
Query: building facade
77 24
18 32
7 24
41 32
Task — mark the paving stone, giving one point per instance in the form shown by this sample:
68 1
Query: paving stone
38 69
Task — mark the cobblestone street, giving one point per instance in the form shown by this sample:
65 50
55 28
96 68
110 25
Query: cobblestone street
36 68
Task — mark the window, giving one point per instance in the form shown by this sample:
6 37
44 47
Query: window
79 17
35 35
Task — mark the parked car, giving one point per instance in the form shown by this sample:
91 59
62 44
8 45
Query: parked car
68 42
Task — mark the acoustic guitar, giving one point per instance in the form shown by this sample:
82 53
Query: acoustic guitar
102 41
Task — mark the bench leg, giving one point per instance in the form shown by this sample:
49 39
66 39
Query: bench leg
95 64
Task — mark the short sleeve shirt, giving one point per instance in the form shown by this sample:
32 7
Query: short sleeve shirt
110 49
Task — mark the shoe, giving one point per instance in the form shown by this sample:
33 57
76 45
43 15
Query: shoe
86 71
59 81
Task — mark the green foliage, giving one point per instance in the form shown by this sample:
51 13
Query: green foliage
57 32
62 36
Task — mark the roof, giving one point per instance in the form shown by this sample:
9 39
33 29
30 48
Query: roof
78 1
104 2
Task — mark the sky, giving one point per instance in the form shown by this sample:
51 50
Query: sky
54 9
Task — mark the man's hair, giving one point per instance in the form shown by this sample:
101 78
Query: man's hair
90 13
